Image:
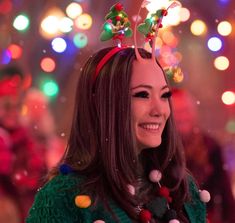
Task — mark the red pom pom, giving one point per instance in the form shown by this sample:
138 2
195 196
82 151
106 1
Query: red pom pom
118 7
145 216
164 191
160 25
118 18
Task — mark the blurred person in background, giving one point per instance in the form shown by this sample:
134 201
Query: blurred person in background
9 202
204 158
22 164
39 119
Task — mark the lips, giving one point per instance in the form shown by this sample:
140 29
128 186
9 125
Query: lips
150 126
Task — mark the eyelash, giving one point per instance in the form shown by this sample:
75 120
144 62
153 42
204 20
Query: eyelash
167 94
141 94
145 94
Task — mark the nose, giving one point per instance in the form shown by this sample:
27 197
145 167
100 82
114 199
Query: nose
156 108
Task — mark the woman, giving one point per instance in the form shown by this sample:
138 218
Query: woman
123 153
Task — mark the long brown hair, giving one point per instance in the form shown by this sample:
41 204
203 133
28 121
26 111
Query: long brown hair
102 145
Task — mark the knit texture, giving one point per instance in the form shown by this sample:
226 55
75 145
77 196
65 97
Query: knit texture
55 203
195 209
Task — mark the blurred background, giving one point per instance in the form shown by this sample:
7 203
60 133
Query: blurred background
43 45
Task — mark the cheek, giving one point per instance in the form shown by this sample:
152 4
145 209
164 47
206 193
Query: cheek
167 111
137 111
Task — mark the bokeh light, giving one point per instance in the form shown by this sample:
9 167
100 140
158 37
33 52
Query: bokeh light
228 97
15 50
221 63
224 28
184 14
65 25
5 57
73 10
80 40
224 1
84 21
21 22
198 27
214 44
50 88
50 25
48 64
230 126
169 38
59 45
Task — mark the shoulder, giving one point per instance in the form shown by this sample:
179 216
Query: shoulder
55 201
60 201
195 208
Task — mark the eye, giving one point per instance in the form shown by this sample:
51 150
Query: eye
167 94
141 94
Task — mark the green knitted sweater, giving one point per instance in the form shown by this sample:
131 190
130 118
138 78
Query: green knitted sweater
55 203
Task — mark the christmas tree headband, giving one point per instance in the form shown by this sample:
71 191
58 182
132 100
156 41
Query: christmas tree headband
117 26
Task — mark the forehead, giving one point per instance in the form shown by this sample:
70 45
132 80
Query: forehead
147 72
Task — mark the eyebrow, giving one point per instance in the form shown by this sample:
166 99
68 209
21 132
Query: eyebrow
148 86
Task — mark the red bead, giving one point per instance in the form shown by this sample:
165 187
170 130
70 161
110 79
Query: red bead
119 7
160 25
118 18
164 12
145 216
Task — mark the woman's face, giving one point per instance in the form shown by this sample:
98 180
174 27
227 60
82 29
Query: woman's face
149 103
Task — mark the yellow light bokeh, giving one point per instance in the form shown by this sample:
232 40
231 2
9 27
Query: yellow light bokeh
65 25
49 27
184 14
198 27
228 97
84 21
73 10
169 38
221 63
224 28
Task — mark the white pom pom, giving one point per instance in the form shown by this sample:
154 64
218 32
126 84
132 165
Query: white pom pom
155 176
99 221
174 221
131 189
204 196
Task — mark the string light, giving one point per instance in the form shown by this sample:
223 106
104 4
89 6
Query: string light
47 64
221 63
224 28
198 27
15 51
214 44
59 45
84 21
80 40
21 22
73 10
228 97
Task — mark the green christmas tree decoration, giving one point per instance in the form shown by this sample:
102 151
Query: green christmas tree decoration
117 24
150 25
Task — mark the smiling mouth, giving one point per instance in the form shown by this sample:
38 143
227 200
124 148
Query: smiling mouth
150 127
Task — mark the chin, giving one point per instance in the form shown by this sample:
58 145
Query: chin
147 144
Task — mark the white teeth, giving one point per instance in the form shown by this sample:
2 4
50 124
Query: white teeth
150 126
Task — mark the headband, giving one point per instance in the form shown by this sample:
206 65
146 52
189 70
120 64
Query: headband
117 26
